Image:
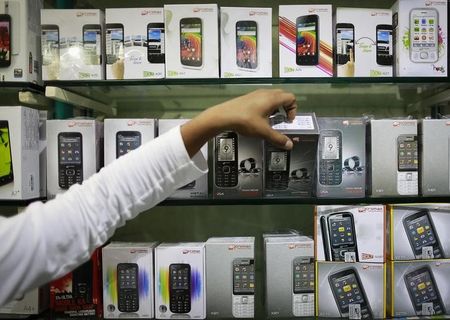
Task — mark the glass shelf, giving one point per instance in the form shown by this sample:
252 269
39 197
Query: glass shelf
15 85
19 203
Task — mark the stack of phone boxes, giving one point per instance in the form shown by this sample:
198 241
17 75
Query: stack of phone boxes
74 149
350 256
134 43
197 189
291 173
341 168
289 275
419 267
128 280
72 44
180 281
79 293
230 277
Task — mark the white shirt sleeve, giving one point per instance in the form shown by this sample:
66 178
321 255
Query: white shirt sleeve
48 240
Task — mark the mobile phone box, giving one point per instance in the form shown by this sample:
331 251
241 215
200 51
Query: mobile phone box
366 243
247 34
130 56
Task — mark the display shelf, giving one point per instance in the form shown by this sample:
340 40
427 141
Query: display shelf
19 203
15 86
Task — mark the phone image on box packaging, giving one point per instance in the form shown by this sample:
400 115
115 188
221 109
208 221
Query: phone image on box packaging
325 238
82 283
342 235
6 165
92 44
191 42
114 42
180 287
5 40
422 289
348 290
50 43
408 164
247 45
307 40
384 45
127 141
70 159
303 287
423 30
155 43
330 157
128 287
277 168
243 288
345 42
226 175
422 233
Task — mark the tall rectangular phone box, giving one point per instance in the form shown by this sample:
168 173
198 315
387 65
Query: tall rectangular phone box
78 294
364 45
305 40
350 233
289 276
192 41
43 115
32 303
230 277
434 174
21 58
134 39
419 289
245 42
237 166
19 153
124 135
351 290
291 173
393 158
341 164
74 152
128 280
72 44
180 281
418 231
420 38
197 189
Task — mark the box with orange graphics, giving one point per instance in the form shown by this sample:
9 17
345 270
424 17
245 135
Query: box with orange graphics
128 280
306 41
180 281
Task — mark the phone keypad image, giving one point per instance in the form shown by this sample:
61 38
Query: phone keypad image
70 161
226 175
408 165
330 164
278 175
128 294
180 288
303 287
243 288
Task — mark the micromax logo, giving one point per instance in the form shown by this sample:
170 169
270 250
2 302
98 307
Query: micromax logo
298 245
191 251
85 14
202 10
258 13
131 123
378 14
71 124
150 12
238 247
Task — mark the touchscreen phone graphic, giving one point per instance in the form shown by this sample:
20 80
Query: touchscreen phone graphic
345 42
92 34
5 40
424 38
191 42
246 45
155 45
6 165
307 40
384 45
50 44
114 42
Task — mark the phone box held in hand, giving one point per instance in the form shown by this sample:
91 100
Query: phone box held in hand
192 41
290 173
393 173
230 277
20 59
247 33
306 41
238 166
419 288
350 233
134 41
419 231
341 168
289 274
197 189
128 280
421 38
351 290
72 44
19 153
364 45
74 149
79 293
125 135
180 281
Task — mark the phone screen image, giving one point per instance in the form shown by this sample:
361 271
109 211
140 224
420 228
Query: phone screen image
226 170
344 43
91 44
114 43
408 159
191 42
127 141
246 45
341 230
384 46
70 159
5 41
50 44
69 150
424 35
6 170
306 39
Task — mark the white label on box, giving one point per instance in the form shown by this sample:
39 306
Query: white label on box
299 123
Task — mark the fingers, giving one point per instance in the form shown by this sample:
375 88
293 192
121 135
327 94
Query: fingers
277 139
291 111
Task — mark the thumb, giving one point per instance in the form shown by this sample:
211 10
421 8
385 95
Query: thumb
277 139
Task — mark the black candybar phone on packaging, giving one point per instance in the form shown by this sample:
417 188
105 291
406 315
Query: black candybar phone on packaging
128 287
180 287
70 159
342 236
226 175
330 157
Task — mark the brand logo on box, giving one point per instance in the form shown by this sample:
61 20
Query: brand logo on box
379 14
138 251
203 10
366 256
258 13
150 12
298 245
71 124
429 3
440 69
369 209
239 247
191 251
317 10
86 14
396 124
